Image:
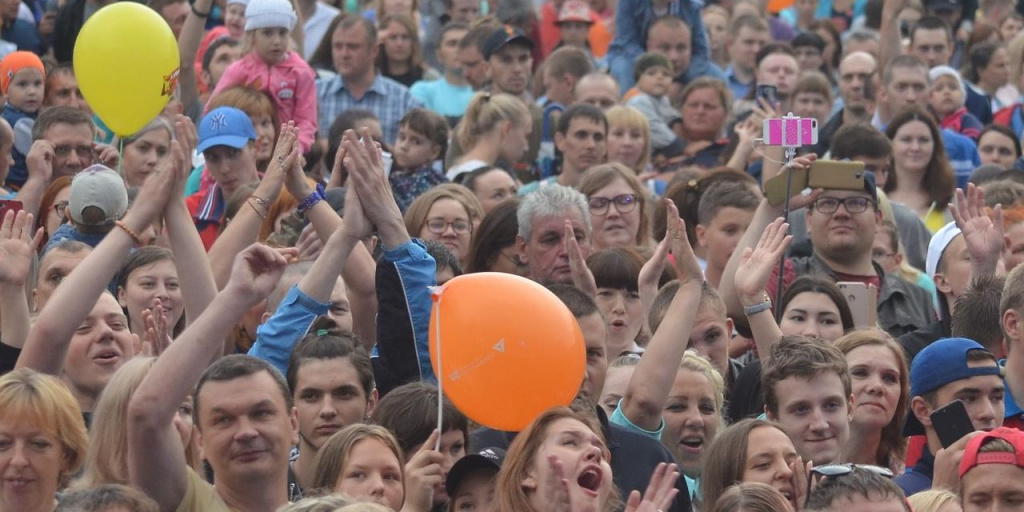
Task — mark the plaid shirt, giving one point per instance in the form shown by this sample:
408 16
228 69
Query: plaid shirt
387 98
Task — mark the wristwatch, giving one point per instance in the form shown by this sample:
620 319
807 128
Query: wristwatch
764 305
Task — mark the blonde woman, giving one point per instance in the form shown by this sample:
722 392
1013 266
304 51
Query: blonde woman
42 425
106 460
495 126
629 138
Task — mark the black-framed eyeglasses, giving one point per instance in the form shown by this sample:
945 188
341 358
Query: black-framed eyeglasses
834 470
61 209
438 226
624 203
852 204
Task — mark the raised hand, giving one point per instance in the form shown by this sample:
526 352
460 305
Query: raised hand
799 482
356 223
557 495
582 277
106 155
17 247
182 148
982 233
422 473
156 337
661 491
650 274
683 260
757 264
285 152
366 173
39 159
256 271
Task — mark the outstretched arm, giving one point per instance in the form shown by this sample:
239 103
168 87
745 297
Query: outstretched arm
73 300
751 279
649 387
188 48
197 285
17 246
156 461
245 227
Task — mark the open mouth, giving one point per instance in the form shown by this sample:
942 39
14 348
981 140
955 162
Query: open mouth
107 357
590 479
618 324
693 442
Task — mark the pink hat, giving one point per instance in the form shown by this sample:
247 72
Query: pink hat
575 10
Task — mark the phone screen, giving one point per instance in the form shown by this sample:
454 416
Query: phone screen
769 93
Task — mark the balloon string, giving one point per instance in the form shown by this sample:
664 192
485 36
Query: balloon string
440 378
120 152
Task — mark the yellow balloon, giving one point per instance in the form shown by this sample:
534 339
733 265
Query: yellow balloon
126 61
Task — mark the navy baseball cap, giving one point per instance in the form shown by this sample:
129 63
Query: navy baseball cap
939 364
504 36
225 126
488 458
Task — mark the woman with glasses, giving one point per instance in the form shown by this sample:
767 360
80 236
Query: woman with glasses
449 214
922 178
618 207
53 207
881 395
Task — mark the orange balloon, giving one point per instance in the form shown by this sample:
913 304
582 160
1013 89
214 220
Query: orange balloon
510 349
775 6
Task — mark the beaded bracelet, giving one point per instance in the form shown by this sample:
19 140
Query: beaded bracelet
135 236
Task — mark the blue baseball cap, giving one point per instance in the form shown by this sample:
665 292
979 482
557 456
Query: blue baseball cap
939 364
225 126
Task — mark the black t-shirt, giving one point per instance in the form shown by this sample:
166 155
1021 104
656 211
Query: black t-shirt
8 358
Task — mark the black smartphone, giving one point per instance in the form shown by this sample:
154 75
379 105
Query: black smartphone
768 93
951 422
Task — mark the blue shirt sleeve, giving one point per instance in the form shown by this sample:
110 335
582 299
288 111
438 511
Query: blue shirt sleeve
276 337
620 419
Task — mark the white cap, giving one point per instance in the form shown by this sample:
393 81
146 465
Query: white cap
270 13
940 240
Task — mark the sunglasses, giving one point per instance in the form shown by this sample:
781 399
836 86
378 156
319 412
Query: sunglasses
836 470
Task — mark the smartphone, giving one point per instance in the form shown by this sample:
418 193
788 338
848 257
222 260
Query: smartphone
836 175
768 93
951 422
863 302
775 189
10 205
808 131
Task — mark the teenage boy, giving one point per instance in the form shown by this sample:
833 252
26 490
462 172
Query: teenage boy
992 472
807 391
947 370
723 214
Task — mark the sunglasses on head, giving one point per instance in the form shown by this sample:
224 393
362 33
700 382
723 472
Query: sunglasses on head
835 470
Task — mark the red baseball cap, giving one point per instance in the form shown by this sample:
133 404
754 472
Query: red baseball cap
973 456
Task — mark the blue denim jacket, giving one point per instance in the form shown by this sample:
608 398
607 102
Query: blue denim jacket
632 20
283 330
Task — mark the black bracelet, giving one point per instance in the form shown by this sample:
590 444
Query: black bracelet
198 13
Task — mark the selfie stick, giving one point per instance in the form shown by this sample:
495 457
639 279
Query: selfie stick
790 155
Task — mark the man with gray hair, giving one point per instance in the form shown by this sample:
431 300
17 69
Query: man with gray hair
545 218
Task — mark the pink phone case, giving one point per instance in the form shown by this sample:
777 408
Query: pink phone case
808 131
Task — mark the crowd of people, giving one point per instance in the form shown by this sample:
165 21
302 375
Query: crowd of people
230 309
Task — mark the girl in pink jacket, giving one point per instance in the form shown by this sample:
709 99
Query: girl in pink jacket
268 65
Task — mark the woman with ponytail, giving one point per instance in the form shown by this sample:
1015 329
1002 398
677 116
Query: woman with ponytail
495 127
